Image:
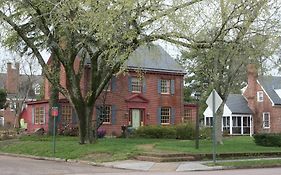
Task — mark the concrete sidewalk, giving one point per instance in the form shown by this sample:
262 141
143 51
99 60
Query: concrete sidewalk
163 167
174 166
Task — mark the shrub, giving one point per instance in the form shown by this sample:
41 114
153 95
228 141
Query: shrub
205 133
156 132
272 139
68 131
185 131
101 133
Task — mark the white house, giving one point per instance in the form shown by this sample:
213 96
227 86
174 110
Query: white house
237 116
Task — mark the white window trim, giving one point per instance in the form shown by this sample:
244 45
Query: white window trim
168 86
260 96
263 121
139 84
166 123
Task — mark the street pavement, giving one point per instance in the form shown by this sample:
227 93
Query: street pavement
23 165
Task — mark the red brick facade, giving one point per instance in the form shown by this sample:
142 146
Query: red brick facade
131 108
261 107
149 102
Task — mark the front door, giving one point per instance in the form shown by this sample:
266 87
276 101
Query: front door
136 118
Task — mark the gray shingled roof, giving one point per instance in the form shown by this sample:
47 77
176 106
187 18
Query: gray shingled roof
155 58
238 104
269 83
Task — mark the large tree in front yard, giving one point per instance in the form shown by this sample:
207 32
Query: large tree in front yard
105 32
242 32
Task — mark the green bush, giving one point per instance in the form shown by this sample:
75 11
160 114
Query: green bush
156 132
273 139
205 133
185 131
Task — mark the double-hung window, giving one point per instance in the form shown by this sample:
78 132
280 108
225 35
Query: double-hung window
66 114
266 120
165 86
187 115
165 115
136 84
39 117
105 114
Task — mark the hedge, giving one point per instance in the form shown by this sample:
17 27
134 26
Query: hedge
182 131
156 132
266 139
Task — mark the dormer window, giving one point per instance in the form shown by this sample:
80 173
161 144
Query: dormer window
260 96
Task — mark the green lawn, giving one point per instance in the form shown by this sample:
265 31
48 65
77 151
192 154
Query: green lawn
242 144
110 149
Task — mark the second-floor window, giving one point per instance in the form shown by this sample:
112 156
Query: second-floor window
39 115
136 84
165 86
260 96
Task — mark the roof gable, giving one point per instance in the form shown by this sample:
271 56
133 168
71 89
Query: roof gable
271 85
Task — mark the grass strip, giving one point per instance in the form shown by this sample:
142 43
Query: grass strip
249 163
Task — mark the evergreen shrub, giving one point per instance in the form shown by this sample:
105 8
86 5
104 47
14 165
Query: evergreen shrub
268 139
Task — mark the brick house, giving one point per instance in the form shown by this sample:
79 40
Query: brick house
20 88
263 94
149 93
257 110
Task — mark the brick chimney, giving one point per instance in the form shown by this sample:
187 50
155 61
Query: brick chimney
12 79
251 91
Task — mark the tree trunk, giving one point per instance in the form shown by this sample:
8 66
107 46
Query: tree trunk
85 124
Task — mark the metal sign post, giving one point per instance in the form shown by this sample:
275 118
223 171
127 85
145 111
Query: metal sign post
55 113
214 101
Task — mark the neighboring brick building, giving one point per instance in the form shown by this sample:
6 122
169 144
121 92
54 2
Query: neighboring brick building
256 111
263 94
150 93
19 88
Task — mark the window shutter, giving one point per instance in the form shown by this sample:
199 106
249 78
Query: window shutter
129 83
33 115
143 86
159 86
113 83
159 116
173 112
113 114
74 116
172 87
